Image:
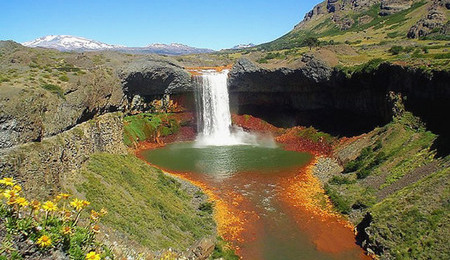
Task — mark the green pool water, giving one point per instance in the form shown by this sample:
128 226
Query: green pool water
222 161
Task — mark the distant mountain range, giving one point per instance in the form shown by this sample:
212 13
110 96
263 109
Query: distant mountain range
243 46
73 43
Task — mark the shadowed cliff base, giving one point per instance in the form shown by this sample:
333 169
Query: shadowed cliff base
335 122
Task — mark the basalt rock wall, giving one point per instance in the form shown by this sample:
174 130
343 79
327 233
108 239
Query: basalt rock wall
332 101
315 94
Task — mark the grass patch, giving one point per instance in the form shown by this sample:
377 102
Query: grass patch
312 134
414 222
367 67
340 202
64 78
148 206
223 251
4 79
57 90
339 180
148 126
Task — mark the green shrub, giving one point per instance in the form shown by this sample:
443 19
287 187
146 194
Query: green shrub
64 78
363 173
358 163
4 79
442 56
338 201
57 90
339 180
396 49
409 49
310 133
223 251
206 207
147 126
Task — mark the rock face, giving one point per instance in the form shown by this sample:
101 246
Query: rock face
320 96
30 112
338 10
434 22
32 115
43 167
150 78
389 7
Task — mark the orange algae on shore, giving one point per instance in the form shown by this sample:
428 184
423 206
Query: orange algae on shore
313 211
195 71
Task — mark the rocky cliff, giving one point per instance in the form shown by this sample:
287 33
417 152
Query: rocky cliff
316 94
45 92
47 166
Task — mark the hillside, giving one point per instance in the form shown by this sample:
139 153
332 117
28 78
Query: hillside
371 22
349 33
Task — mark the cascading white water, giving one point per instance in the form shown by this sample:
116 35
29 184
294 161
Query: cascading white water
213 113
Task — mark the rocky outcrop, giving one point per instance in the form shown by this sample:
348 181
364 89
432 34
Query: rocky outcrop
338 11
389 7
246 76
31 115
150 78
435 22
44 167
47 92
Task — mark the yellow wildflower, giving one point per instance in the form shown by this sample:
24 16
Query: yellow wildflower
9 194
11 201
79 204
66 230
35 204
92 256
7 181
94 215
64 195
66 215
85 203
22 201
44 241
49 206
103 212
95 228
17 188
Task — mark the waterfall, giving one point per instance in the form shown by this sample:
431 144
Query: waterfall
213 113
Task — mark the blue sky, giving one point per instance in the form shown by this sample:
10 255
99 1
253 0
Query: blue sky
199 23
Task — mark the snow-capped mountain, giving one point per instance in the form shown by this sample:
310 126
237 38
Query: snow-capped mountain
73 43
243 46
173 49
69 43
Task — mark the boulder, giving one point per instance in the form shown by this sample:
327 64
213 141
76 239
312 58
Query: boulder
389 7
154 77
202 249
434 22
